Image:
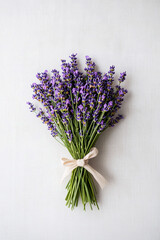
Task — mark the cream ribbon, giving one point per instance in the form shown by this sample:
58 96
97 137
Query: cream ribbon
71 164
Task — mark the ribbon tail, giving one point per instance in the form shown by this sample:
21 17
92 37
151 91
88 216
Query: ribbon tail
98 177
67 171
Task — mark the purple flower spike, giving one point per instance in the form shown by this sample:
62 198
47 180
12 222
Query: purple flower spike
31 107
122 77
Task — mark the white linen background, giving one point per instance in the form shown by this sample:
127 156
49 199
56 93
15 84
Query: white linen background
34 36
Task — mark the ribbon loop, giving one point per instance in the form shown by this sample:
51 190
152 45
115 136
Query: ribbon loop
71 164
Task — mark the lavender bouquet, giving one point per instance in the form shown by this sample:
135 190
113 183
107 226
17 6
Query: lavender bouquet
77 107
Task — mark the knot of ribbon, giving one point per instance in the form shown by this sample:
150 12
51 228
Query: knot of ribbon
81 162
71 164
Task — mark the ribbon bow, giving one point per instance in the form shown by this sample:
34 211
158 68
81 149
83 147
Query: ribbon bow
71 164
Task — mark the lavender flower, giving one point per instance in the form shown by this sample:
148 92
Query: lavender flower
122 77
31 107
